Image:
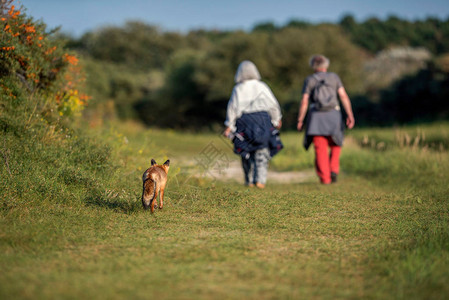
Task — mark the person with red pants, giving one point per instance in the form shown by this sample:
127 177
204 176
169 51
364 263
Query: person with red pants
324 124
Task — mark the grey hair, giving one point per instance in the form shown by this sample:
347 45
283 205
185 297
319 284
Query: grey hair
247 70
319 61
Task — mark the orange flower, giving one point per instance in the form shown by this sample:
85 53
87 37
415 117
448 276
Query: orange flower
30 29
6 27
11 11
84 98
49 51
71 59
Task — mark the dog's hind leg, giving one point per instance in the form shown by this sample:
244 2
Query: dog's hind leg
161 199
149 187
153 203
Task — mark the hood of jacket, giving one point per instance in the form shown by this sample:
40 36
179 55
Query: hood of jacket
247 70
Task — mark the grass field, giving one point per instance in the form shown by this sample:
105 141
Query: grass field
72 225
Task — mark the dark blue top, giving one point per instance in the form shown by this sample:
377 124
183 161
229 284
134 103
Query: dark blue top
255 131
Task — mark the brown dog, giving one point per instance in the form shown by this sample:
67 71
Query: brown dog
154 181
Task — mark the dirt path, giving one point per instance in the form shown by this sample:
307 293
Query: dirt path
234 172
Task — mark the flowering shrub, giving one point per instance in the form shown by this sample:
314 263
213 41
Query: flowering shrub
33 63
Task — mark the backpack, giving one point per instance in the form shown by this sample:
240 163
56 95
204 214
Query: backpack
323 95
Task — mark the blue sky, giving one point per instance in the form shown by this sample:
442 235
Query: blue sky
79 16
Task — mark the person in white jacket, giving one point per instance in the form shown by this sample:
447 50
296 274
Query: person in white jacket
251 95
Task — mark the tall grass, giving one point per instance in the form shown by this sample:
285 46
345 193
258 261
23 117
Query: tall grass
424 136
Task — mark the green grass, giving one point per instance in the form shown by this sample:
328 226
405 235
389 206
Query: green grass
72 226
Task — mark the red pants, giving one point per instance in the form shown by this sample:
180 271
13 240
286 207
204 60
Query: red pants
326 162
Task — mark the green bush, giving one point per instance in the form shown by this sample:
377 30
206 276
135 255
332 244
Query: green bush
42 158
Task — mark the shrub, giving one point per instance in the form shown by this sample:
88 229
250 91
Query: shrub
35 66
42 157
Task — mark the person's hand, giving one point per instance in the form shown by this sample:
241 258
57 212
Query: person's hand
279 125
300 125
350 122
227 132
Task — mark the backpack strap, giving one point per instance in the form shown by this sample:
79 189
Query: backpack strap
317 78
318 81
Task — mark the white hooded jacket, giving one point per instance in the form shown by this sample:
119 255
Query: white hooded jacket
251 95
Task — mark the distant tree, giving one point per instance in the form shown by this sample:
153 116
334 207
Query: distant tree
376 35
298 24
420 97
136 44
215 72
348 23
266 26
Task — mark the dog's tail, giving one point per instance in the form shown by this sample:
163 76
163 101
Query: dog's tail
148 194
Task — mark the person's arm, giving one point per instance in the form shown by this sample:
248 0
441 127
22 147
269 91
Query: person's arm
344 98
276 115
231 114
302 111
274 108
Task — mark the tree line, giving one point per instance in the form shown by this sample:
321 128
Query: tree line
177 80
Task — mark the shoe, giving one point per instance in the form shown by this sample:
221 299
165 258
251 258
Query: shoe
250 185
260 185
333 177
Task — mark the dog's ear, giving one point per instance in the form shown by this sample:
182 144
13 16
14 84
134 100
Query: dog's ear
153 162
167 163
